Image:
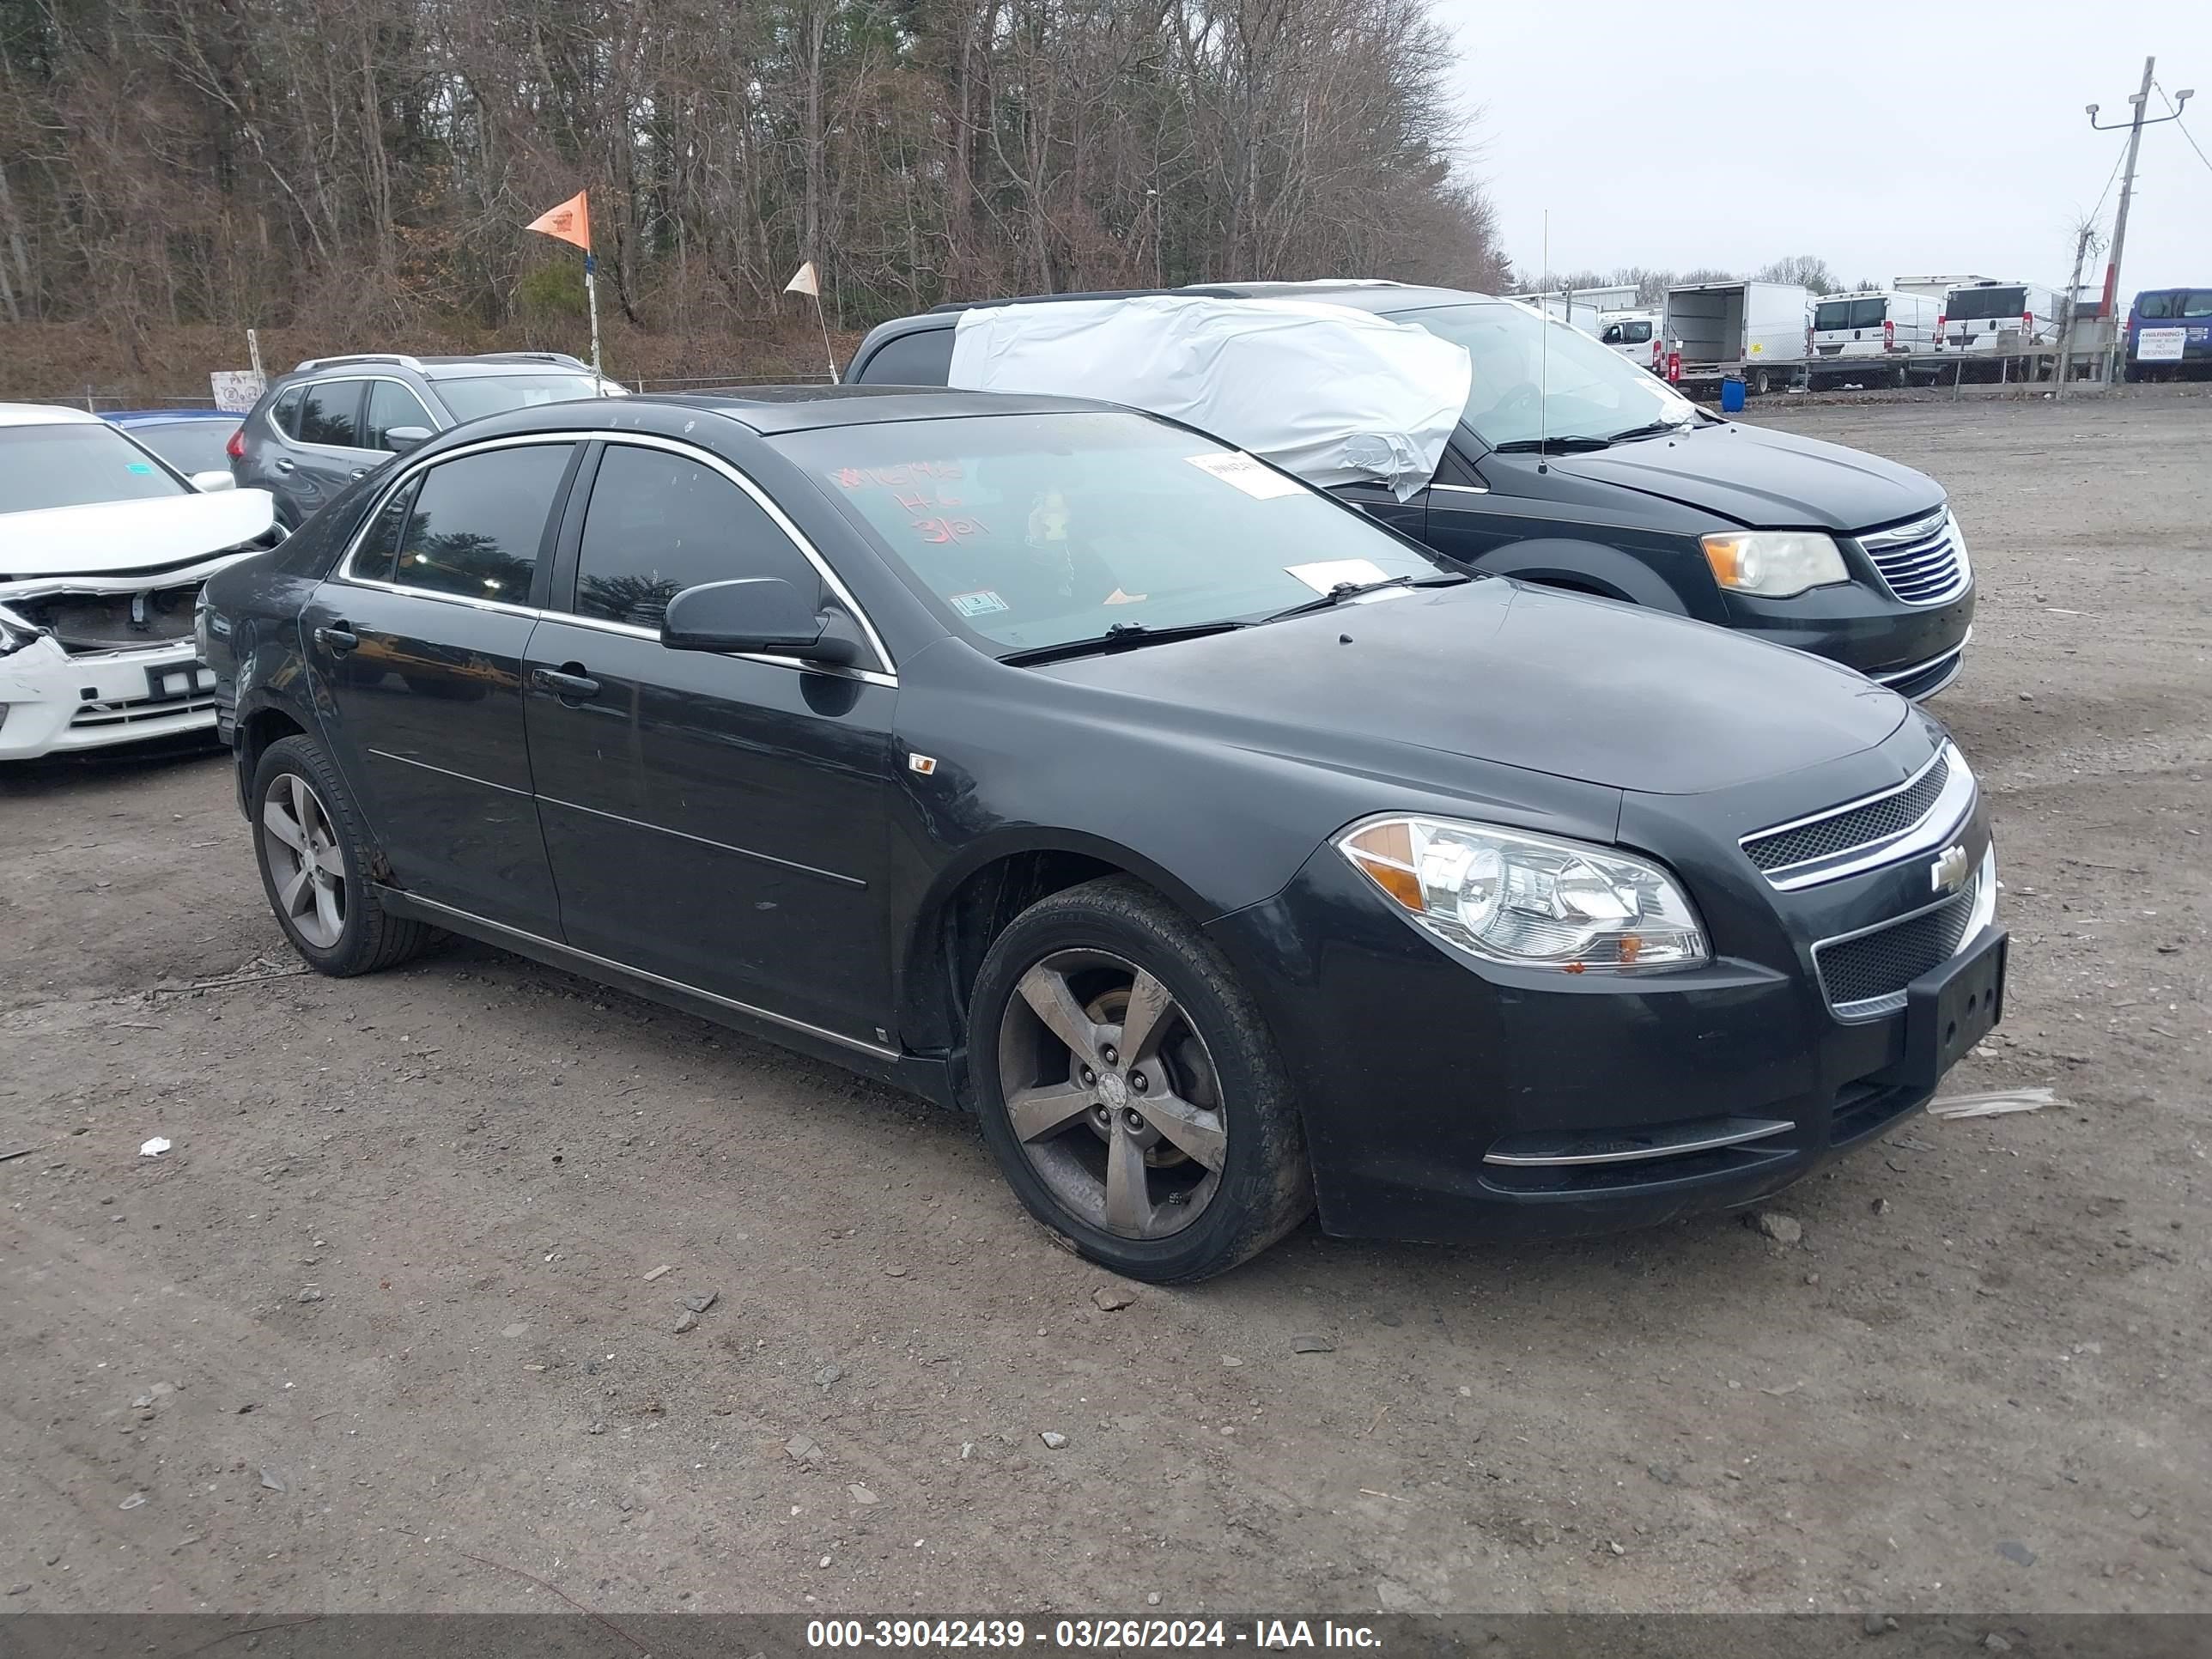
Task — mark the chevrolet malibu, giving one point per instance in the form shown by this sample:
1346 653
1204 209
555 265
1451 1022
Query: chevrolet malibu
1225 852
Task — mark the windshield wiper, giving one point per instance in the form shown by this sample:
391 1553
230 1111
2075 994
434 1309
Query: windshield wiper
1122 636
1653 430
1556 445
1343 591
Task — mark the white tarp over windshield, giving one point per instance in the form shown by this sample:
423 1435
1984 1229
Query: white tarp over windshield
1332 394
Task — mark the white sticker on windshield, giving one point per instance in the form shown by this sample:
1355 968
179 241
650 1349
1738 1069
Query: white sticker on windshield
981 603
1233 467
1327 575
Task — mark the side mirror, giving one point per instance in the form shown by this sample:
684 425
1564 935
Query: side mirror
764 615
213 481
401 439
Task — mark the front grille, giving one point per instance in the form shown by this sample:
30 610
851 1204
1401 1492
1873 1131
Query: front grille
135 711
1861 825
1923 562
1868 975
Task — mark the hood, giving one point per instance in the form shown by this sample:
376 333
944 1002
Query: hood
1524 677
1762 478
114 538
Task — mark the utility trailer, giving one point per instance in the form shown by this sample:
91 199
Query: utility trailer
1755 332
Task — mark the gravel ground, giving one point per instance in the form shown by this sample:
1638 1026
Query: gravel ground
387 1329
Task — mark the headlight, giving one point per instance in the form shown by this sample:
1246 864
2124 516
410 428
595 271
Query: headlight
1774 563
1510 896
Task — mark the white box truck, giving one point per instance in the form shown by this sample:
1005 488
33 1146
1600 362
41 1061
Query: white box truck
1757 332
1934 287
1870 334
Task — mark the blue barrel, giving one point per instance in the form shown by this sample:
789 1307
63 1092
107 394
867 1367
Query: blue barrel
1731 397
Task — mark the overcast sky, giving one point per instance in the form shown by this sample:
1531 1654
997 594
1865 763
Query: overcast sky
1888 139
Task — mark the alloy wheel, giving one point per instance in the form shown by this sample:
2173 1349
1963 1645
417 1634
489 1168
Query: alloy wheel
307 870
1112 1093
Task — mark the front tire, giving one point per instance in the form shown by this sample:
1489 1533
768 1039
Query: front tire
315 856
1131 1090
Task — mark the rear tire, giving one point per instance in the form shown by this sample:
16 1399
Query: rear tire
315 857
1172 1162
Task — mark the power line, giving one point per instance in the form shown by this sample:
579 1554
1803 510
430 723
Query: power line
2184 127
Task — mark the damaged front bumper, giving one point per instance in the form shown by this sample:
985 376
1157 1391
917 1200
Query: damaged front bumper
89 661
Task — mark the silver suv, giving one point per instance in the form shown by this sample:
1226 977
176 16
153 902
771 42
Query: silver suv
333 420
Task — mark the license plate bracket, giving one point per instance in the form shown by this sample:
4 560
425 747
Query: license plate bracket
1949 1009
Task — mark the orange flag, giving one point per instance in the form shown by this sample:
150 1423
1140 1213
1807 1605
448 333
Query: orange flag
571 221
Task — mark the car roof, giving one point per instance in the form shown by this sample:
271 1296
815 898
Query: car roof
1365 293
45 414
160 416
773 409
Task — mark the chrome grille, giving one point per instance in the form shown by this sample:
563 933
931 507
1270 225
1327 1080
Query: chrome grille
1923 562
1868 975
1878 819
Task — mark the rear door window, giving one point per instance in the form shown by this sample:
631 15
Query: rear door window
391 405
285 415
659 523
330 413
476 523
921 358
378 555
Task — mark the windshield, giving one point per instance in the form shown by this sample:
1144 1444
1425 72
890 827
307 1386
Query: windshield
75 465
1037 530
189 446
2175 304
1534 379
1972 304
473 396
1851 313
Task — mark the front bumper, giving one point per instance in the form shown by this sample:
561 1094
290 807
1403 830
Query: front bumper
52 701
1417 1069
1914 649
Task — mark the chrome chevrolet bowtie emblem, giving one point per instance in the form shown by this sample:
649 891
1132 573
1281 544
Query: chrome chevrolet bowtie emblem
1948 873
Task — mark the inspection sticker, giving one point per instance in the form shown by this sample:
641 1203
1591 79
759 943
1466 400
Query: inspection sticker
1327 575
1233 467
981 603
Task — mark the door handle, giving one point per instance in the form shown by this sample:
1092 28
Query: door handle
282 464
336 637
569 681
361 472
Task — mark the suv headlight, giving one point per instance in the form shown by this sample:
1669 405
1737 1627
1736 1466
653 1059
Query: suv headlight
1775 564
1510 896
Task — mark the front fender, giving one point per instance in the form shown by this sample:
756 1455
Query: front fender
1591 567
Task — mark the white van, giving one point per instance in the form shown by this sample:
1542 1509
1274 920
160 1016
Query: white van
1873 323
1977 316
1637 335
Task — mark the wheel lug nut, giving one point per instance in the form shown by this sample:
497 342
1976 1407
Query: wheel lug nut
1089 1078
1132 1118
1137 1082
1108 1054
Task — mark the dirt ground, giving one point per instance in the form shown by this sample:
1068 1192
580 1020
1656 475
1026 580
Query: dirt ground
382 1331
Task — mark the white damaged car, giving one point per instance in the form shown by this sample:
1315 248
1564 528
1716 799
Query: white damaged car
103 549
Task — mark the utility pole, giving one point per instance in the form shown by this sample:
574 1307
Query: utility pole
2141 102
2083 241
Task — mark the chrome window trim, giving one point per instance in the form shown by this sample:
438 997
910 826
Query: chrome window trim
343 570
880 1051
1949 810
306 386
631 630
1463 489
